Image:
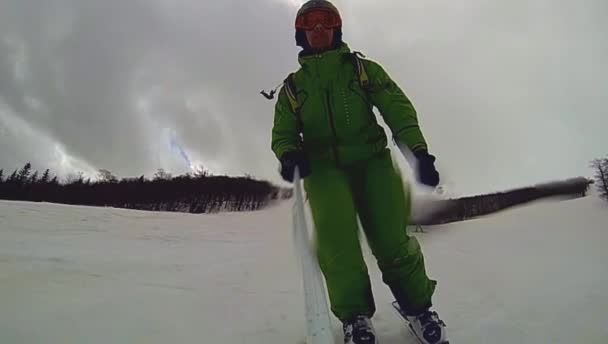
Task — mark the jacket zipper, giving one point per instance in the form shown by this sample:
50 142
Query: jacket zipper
333 128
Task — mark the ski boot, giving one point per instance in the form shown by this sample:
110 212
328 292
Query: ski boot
428 328
359 331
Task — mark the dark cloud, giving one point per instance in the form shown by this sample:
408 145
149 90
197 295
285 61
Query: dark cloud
509 93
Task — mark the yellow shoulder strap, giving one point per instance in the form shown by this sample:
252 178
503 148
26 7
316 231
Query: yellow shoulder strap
292 95
361 72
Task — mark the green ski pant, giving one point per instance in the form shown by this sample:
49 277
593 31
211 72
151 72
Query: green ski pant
373 191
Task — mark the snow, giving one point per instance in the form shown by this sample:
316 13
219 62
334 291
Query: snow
535 274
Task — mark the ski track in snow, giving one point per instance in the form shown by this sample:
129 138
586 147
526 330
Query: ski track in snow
535 274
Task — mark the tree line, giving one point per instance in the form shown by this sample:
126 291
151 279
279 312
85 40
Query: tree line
198 192
459 209
201 192
464 208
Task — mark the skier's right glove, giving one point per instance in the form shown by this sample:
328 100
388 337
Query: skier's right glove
290 160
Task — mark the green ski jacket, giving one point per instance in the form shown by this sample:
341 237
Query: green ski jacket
335 122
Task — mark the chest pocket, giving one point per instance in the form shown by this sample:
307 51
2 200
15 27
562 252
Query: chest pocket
296 102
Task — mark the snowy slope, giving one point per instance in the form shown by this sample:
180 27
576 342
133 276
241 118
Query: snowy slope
537 274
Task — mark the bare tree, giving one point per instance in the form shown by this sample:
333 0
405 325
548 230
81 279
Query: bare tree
161 174
201 172
601 176
75 178
107 176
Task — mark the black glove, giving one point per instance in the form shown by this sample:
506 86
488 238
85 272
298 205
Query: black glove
427 174
290 160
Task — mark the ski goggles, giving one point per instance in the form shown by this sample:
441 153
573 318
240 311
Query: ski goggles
310 19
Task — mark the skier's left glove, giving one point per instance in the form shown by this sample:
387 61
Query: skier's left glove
290 160
427 173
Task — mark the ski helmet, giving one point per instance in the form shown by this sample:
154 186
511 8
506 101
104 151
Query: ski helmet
317 4
313 5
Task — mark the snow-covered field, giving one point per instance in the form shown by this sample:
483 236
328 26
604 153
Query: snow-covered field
537 274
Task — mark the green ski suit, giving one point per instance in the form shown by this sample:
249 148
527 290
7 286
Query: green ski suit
353 176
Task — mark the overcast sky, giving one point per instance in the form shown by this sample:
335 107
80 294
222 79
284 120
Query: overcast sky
508 92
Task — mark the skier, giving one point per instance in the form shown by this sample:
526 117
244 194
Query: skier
324 125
